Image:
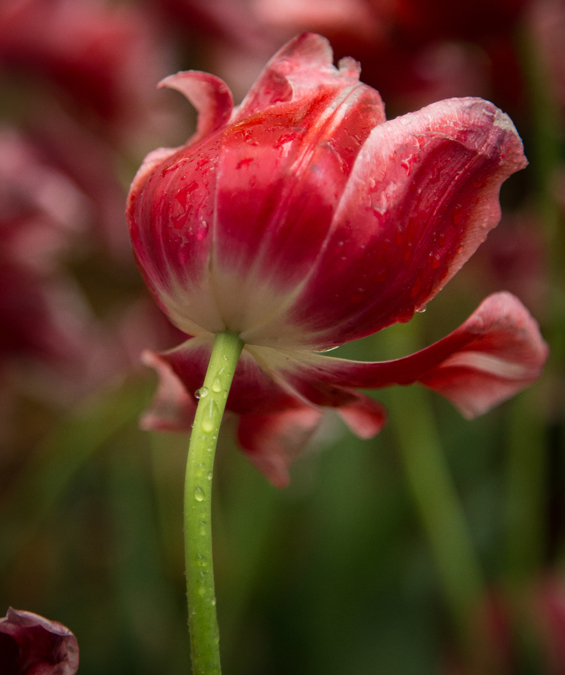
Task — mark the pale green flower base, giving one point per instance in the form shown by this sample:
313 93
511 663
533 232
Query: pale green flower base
202 621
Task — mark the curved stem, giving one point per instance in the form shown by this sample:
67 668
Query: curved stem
202 621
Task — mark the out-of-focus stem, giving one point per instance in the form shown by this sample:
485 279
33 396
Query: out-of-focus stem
437 501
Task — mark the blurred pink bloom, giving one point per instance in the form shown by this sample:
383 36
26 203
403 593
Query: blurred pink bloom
415 52
32 645
514 258
104 57
89 163
302 220
41 211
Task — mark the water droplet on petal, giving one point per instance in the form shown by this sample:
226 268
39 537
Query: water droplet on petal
217 386
201 393
199 494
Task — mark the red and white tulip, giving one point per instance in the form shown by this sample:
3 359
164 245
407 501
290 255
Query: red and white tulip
302 220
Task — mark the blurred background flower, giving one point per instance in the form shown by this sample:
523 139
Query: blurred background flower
358 566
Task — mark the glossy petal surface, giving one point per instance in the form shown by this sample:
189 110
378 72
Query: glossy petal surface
421 198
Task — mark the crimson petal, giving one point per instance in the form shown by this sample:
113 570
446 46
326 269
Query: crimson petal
208 94
421 198
282 169
276 420
273 442
496 353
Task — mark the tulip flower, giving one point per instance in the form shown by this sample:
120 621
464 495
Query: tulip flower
301 220
33 645
292 224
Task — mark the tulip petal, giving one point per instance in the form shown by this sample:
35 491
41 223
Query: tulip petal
282 171
422 196
253 391
172 240
303 64
208 94
172 237
273 442
495 354
276 420
172 407
29 643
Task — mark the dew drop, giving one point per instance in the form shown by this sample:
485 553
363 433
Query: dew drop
213 602
211 414
202 591
421 310
201 560
217 386
201 393
199 494
210 473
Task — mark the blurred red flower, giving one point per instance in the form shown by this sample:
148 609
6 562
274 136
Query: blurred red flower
32 645
302 220
41 212
414 51
103 58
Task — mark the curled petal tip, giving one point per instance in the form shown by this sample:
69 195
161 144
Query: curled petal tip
208 94
505 354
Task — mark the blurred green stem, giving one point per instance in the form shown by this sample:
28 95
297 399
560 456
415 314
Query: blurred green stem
526 499
204 634
437 501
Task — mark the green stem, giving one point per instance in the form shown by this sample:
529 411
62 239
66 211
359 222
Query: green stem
204 635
